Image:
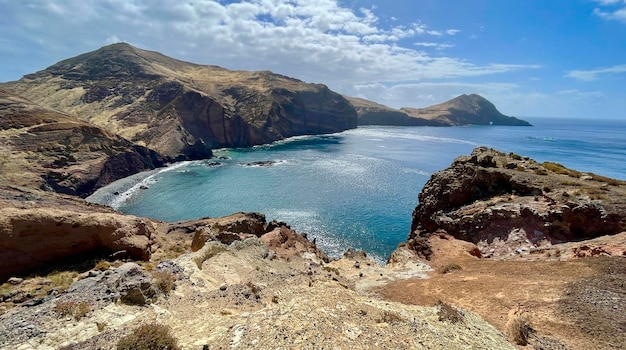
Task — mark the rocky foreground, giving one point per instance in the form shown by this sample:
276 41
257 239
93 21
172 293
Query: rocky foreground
499 257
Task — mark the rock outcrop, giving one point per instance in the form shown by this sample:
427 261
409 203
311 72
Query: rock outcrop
461 110
495 200
51 150
40 235
180 109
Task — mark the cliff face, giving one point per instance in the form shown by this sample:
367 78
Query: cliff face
182 109
52 150
461 110
491 198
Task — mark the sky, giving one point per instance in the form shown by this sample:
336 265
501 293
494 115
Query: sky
531 58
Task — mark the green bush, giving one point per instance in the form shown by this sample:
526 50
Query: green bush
151 336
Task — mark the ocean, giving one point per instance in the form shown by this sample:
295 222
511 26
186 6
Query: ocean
355 189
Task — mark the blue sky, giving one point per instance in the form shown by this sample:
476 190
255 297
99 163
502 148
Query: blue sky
531 58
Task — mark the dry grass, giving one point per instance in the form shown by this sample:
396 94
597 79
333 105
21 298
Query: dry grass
390 317
519 331
449 268
72 308
163 281
149 337
560 169
448 313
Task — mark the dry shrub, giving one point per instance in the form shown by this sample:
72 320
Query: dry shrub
163 281
390 317
72 308
560 169
520 330
449 268
448 313
149 336
102 265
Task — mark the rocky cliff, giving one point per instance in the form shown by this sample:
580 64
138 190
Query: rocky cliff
180 109
490 198
461 110
52 150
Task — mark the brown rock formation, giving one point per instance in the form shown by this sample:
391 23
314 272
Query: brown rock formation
501 201
36 230
45 148
462 110
182 109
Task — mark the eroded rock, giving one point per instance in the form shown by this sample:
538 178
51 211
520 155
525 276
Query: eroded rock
509 204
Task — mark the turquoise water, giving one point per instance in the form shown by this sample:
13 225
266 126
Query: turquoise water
357 188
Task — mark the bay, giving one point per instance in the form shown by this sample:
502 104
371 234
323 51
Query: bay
355 189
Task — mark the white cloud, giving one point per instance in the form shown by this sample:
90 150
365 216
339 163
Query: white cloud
607 2
614 13
594 74
314 40
437 46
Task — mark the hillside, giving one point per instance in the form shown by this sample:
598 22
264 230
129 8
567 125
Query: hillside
181 109
47 149
461 110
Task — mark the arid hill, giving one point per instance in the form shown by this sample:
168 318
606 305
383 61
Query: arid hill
181 109
47 149
461 110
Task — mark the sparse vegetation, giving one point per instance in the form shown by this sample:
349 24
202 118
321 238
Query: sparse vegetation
331 269
390 317
448 313
256 291
449 268
515 156
560 169
102 265
62 279
163 281
520 330
75 309
152 336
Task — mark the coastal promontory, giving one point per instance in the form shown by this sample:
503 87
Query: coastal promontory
462 110
181 109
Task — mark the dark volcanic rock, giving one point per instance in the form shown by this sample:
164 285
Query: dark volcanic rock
180 109
481 198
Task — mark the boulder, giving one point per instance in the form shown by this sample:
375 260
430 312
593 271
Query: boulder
33 237
128 283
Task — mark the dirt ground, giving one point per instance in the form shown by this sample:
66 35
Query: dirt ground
573 304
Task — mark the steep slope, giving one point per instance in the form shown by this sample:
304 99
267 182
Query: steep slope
461 110
182 109
43 148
